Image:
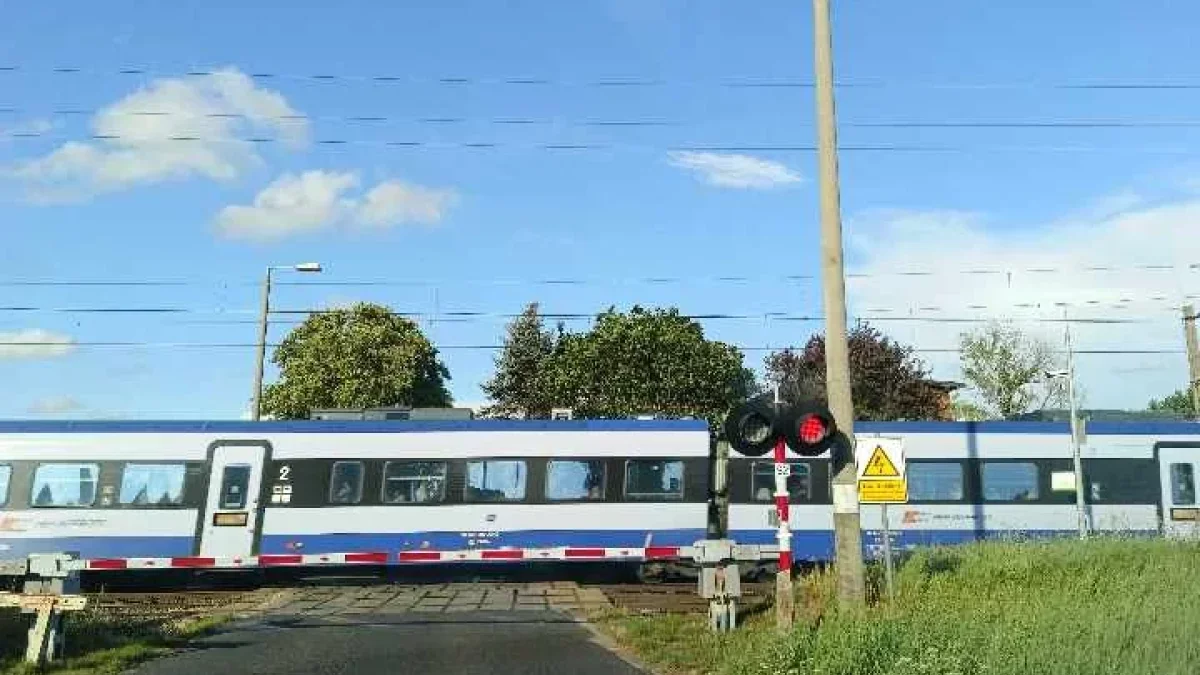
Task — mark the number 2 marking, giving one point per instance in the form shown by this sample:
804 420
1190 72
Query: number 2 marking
284 472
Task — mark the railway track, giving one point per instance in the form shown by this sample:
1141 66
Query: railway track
667 598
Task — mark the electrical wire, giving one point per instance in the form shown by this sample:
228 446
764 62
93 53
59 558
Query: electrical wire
470 347
580 281
740 82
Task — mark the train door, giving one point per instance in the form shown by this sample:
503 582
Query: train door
1179 467
231 509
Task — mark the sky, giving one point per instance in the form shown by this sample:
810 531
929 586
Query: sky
1022 160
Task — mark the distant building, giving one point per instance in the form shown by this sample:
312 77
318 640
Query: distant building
945 388
393 413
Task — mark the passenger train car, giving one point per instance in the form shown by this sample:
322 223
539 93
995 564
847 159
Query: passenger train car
153 495
128 495
982 480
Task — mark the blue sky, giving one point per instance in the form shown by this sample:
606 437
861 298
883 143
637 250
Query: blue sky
473 225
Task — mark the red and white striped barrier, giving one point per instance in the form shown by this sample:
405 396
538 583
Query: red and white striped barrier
652 553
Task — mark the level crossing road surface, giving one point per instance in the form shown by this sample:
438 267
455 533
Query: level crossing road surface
465 631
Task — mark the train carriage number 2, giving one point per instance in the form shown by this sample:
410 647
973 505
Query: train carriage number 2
281 493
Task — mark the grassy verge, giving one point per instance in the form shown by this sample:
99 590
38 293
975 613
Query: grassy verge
1064 608
97 643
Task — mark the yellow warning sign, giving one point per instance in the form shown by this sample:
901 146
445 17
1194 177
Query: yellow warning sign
879 466
893 491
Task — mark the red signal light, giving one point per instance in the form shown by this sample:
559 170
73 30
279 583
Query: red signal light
813 430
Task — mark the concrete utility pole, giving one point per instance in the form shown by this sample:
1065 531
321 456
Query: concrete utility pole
1080 509
1193 356
846 525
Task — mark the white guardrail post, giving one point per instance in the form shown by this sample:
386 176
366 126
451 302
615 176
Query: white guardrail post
50 587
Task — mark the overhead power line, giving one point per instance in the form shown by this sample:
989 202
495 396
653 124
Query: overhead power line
482 347
583 281
615 82
378 118
409 143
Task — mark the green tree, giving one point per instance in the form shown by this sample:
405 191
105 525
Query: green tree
647 361
518 386
1179 402
886 381
1008 370
966 411
360 357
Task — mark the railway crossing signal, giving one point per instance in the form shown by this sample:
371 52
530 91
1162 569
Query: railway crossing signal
807 427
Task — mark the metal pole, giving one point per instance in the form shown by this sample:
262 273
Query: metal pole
1193 355
262 347
846 524
1079 486
888 570
784 597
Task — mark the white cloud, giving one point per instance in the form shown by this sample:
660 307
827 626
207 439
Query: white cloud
735 171
145 137
1032 274
34 343
55 405
394 201
316 200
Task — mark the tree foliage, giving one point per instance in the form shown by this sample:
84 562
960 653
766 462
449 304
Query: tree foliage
646 361
364 356
518 386
1179 402
886 381
1007 370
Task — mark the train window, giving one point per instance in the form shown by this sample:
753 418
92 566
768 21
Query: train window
653 479
935 481
762 482
69 485
235 481
495 480
346 483
152 484
414 482
1183 484
566 480
5 473
1010 481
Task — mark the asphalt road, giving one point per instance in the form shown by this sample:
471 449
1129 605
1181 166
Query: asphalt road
464 643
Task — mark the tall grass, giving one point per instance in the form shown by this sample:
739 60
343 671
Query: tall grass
1104 606
100 643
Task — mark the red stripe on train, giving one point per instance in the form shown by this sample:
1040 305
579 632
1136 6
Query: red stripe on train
659 552
108 564
584 553
378 558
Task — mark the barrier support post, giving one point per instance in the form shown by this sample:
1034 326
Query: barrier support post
784 597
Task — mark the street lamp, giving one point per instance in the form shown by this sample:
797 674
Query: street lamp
262 328
1069 375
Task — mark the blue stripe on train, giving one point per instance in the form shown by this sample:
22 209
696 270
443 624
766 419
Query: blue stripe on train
99 547
814 545
453 541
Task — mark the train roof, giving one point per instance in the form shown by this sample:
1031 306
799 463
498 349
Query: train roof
339 426
1108 428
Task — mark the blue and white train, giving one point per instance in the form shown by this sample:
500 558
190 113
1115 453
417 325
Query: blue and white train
146 495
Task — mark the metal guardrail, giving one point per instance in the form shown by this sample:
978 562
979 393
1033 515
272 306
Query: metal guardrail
50 587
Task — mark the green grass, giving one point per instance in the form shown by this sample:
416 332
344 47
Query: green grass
1105 606
97 643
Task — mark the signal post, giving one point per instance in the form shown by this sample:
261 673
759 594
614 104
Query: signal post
757 426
